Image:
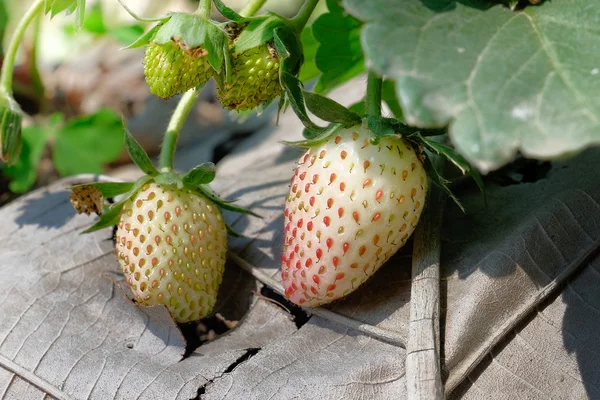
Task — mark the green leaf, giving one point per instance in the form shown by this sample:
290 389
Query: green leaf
215 44
505 82
295 95
227 12
127 33
109 189
310 45
24 173
459 161
85 144
339 56
257 32
205 190
329 110
94 20
192 29
289 47
315 138
55 7
138 155
111 215
200 175
439 180
145 38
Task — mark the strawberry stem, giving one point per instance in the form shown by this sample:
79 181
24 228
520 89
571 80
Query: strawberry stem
6 77
167 152
374 88
204 8
303 15
252 7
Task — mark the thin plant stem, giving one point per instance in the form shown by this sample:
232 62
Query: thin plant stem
252 7
204 8
299 21
167 152
6 77
374 85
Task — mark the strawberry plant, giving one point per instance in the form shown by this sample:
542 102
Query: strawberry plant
452 91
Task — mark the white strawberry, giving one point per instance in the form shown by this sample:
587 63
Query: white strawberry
171 245
351 206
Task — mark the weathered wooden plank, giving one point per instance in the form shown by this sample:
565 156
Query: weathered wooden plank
66 326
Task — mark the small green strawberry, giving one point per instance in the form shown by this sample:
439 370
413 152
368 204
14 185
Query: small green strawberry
351 206
254 79
172 68
171 245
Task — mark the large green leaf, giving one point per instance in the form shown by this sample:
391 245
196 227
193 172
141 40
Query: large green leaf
87 143
503 81
339 56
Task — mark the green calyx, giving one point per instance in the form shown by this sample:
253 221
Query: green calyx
254 79
196 180
171 68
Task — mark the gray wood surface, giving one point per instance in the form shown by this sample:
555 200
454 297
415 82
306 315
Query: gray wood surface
519 300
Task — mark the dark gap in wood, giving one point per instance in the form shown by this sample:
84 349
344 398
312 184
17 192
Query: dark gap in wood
251 352
199 332
299 316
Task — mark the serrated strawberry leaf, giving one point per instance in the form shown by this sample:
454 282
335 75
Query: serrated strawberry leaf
453 156
108 189
191 29
145 38
259 30
330 110
439 180
138 155
206 191
200 175
227 12
110 216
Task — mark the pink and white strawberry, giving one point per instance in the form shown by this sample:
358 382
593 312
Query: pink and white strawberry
171 245
351 206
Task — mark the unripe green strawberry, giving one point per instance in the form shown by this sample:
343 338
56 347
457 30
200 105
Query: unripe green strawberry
254 79
171 69
171 245
351 206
